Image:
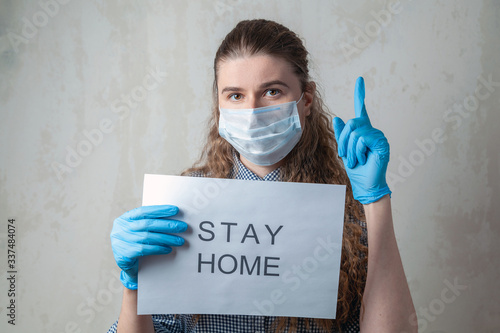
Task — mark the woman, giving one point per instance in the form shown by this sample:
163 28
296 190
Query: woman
285 136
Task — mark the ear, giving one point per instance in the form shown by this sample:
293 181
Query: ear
309 97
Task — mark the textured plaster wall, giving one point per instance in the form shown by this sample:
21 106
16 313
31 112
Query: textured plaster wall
93 94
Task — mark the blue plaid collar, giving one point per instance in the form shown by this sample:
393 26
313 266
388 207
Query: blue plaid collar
240 171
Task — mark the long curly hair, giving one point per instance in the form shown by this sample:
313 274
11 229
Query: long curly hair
313 160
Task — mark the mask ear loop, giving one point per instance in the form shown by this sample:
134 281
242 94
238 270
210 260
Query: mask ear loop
300 98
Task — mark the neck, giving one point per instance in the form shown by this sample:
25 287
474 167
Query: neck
260 170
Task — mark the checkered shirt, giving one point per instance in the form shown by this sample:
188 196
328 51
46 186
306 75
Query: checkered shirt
171 323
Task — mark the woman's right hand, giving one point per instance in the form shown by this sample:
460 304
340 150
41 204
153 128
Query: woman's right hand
143 231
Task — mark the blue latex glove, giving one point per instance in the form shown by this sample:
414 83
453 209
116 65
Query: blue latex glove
364 150
141 232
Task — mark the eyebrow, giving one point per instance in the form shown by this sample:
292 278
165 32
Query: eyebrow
262 86
273 83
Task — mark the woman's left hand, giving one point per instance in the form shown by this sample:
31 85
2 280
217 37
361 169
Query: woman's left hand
364 150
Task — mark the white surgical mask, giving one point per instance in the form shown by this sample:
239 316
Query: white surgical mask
265 135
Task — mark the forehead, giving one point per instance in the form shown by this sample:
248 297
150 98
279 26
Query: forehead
252 71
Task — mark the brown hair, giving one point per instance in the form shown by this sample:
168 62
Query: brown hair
313 160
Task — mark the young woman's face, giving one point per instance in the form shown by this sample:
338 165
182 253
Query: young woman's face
257 81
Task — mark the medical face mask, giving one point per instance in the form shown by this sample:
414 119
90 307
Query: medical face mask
265 135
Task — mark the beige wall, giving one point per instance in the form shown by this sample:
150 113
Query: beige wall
67 69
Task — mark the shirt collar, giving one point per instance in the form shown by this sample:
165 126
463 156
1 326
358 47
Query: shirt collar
240 171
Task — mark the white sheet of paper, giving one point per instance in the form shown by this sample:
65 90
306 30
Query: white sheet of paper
258 268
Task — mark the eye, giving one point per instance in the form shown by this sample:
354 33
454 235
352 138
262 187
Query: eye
273 92
235 97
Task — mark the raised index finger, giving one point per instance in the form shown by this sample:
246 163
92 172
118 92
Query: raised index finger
359 98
